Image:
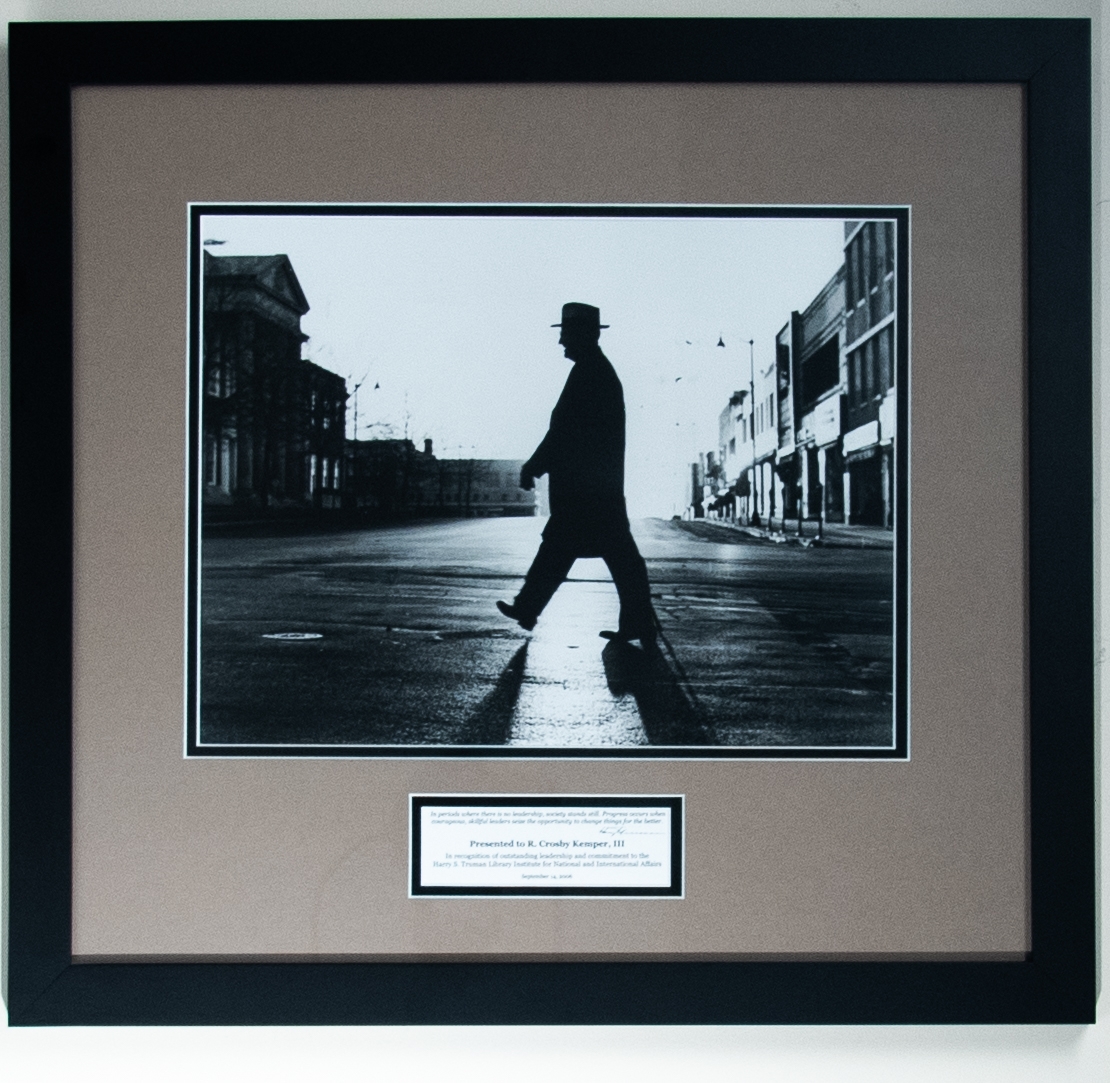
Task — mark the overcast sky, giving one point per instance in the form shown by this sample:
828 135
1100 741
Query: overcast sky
450 317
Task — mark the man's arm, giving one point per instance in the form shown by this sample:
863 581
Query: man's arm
536 465
551 446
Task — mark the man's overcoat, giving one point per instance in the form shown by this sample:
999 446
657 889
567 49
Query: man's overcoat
583 456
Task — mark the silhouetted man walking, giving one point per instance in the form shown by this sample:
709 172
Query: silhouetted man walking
583 456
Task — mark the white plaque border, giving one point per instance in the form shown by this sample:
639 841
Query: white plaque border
675 890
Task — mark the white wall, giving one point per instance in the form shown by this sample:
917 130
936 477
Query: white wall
764 1054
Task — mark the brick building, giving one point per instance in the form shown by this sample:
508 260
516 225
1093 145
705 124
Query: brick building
810 390
273 422
391 479
870 413
817 428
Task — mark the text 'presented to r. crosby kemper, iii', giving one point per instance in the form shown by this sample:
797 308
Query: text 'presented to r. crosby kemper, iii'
537 846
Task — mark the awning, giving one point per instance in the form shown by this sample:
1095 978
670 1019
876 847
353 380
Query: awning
862 455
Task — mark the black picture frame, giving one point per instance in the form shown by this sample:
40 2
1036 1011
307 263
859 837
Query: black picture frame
1049 58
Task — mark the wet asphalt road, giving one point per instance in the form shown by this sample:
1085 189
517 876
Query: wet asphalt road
773 645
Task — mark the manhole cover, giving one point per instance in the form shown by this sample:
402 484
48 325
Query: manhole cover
293 635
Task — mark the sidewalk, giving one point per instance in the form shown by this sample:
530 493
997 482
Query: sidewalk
834 535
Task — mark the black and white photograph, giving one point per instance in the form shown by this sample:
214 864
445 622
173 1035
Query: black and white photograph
555 481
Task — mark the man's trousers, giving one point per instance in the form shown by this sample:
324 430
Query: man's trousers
618 549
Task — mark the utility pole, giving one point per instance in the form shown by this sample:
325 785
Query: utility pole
753 510
799 491
354 434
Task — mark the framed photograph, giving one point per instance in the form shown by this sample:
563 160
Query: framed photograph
562 522
759 525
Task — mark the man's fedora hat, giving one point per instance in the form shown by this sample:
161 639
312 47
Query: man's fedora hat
576 314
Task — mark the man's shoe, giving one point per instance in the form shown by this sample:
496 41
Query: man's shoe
523 619
646 638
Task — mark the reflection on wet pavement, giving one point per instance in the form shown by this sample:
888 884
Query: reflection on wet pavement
764 645
565 701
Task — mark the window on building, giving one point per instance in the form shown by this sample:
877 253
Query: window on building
878 257
223 466
852 282
885 347
871 367
880 253
210 460
821 370
732 446
221 378
782 363
866 259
